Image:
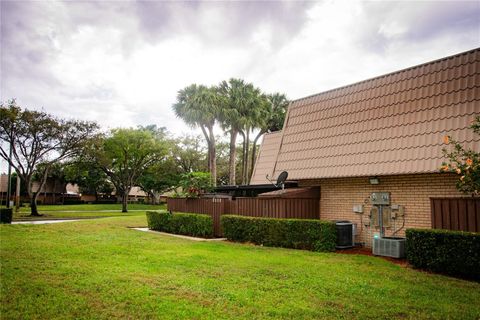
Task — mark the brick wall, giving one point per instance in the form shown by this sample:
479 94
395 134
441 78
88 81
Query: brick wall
339 195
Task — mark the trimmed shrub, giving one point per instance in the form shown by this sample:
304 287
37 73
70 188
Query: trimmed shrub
6 215
191 224
159 220
316 235
454 253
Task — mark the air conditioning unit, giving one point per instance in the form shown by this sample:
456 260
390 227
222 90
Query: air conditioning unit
389 247
345 234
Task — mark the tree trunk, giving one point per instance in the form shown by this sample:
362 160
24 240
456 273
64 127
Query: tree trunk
31 196
155 197
209 159
243 157
254 154
206 135
34 195
245 162
233 156
213 157
33 205
124 201
151 197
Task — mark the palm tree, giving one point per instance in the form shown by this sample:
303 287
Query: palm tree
243 108
234 115
272 121
257 112
198 106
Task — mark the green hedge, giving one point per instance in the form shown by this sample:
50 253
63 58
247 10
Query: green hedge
451 252
307 234
197 225
6 215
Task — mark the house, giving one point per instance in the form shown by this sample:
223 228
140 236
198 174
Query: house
387 130
136 194
53 191
3 188
56 191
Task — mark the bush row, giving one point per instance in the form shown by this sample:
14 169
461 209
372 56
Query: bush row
307 234
451 252
197 225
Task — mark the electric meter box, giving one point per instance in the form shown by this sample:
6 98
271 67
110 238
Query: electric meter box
380 198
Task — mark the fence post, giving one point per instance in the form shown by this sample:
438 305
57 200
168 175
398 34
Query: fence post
218 206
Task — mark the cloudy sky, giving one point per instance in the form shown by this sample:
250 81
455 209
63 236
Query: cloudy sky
121 63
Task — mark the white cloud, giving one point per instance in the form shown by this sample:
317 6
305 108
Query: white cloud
110 71
342 43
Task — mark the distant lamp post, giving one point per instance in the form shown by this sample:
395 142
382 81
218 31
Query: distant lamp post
374 180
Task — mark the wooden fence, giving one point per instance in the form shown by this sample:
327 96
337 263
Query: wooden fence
456 214
213 207
252 207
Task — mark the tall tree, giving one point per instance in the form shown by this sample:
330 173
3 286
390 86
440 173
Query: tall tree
189 154
235 113
275 112
257 113
165 174
125 155
38 137
199 106
159 178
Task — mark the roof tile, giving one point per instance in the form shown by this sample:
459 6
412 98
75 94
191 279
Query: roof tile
392 124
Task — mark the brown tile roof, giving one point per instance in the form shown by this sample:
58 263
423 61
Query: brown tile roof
392 124
266 158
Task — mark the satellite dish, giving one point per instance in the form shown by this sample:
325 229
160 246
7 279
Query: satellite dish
282 177
280 180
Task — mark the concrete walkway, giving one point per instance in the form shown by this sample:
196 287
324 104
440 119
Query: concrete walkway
179 235
45 221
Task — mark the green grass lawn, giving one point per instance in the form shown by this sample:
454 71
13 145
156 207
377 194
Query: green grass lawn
99 269
76 211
